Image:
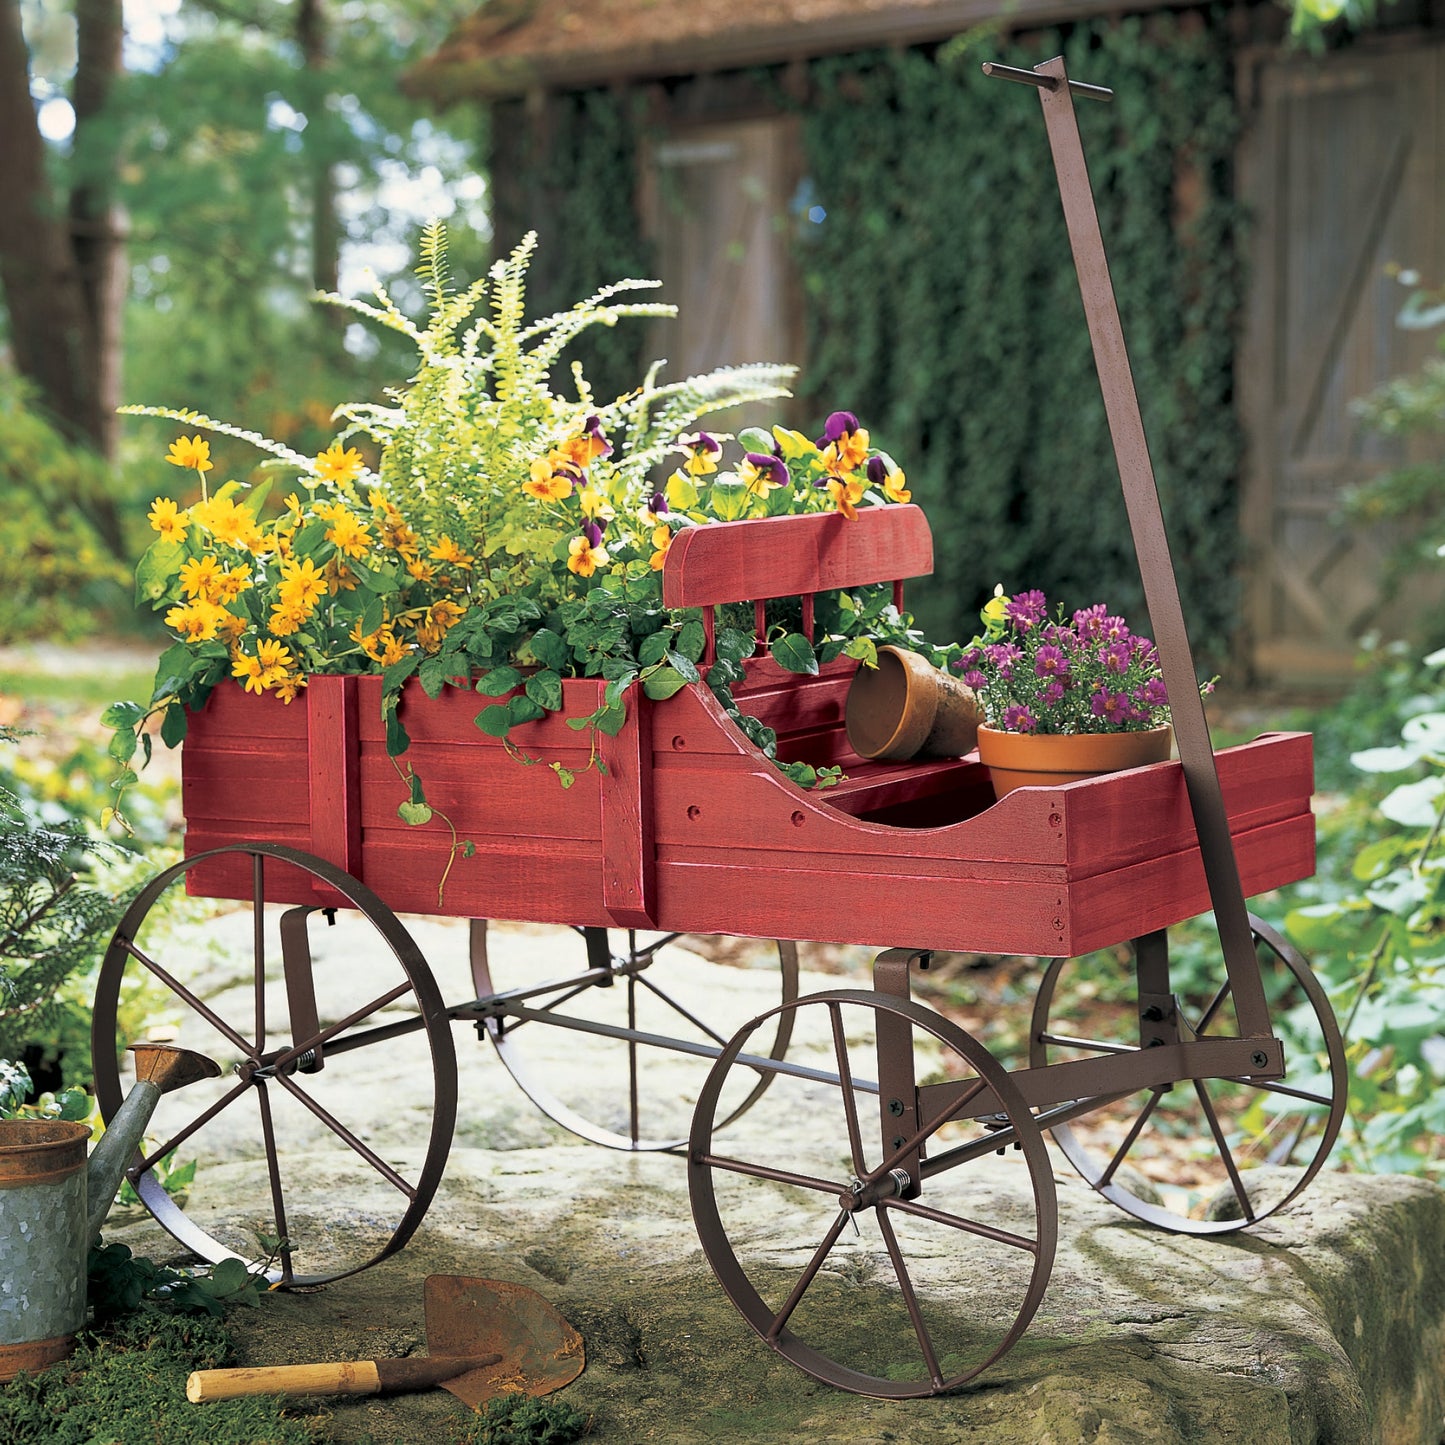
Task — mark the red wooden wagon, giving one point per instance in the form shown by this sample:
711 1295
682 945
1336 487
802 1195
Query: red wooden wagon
690 830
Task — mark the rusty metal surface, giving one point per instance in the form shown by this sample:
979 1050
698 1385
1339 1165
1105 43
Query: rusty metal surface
261 1068
540 1352
40 1151
168 1067
34 1355
920 1369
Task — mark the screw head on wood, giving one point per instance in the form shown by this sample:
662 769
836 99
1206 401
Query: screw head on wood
1259 1058
895 1107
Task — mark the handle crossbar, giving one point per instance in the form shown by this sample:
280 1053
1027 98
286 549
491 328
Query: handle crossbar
1045 82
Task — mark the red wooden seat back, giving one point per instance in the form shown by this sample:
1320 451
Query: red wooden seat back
769 557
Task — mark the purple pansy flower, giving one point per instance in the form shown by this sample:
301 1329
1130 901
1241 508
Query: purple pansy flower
701 441
838 425
657 504
877 471
593 532
601 447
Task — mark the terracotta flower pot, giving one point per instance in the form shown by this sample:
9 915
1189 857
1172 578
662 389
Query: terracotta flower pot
906 707
1020 760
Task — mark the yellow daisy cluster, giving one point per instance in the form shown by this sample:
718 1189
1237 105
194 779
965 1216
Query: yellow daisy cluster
271 669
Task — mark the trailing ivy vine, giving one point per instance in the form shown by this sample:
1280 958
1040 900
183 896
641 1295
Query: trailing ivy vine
941 305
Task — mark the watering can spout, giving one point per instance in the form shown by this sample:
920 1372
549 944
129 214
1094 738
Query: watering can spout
159 1068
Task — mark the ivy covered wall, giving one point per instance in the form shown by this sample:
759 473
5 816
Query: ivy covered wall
942 305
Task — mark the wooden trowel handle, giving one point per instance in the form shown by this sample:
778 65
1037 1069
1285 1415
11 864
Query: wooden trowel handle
351 1377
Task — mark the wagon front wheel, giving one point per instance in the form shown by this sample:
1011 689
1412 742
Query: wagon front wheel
867 1266
328 1028
1205 1156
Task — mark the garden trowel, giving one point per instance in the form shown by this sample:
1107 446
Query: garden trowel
484 1338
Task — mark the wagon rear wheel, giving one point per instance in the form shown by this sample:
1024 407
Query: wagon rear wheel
315 1014
610 1088
1214 1155
883 1285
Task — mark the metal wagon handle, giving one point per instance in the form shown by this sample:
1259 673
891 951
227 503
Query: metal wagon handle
1146 524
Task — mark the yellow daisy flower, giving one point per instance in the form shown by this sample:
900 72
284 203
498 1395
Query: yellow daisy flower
339 465
193 453
167 519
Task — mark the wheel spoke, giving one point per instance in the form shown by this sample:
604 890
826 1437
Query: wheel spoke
970 1226
186 996
199 1122
340 1026
634 1131
910 1299
1268 1086
1220 1143
1098 1046
850 1105
1135 1129
258 942
345 1134
677 1008
766 1171
809 1274
921 1136
1207 1017
273 1169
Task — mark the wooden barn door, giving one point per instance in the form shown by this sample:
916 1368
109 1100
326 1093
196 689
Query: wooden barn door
716 199
1344 171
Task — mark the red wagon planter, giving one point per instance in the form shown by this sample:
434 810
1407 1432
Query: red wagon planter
292 809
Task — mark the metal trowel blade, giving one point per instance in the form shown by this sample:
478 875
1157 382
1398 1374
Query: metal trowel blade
466 1317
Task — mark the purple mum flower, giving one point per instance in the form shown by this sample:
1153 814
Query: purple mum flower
1027 609
1114 628
1003 655
1116 656
838 425
1153 693
1089 621
976 680
1053 692
1112 706
1050 662
1018 719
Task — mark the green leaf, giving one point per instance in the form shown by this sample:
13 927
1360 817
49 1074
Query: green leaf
373 617
795 653
397 739
565 776
433 674
494 720
123 744
663 683
522 709
413 813
122 715
550 650
691 641
682 665
617 687
545 689
418 795
498 681
654 648
612 718
229 1275
174 725
398 672
864 649
158 569
729 498
756 439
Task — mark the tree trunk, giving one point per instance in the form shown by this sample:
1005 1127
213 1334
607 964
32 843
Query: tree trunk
311 37
62 286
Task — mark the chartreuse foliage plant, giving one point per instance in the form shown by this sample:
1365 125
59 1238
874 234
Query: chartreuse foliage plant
507 538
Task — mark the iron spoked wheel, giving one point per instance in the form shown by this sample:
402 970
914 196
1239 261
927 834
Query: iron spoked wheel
631 1095
322 1110
1203 1156
863 1281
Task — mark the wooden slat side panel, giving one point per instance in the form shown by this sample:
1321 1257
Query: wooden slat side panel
628 851
334 773
237 785
231 712
1113 821
790 556
1161 891
230 876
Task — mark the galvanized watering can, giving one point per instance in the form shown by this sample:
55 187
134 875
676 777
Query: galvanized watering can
46 1228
